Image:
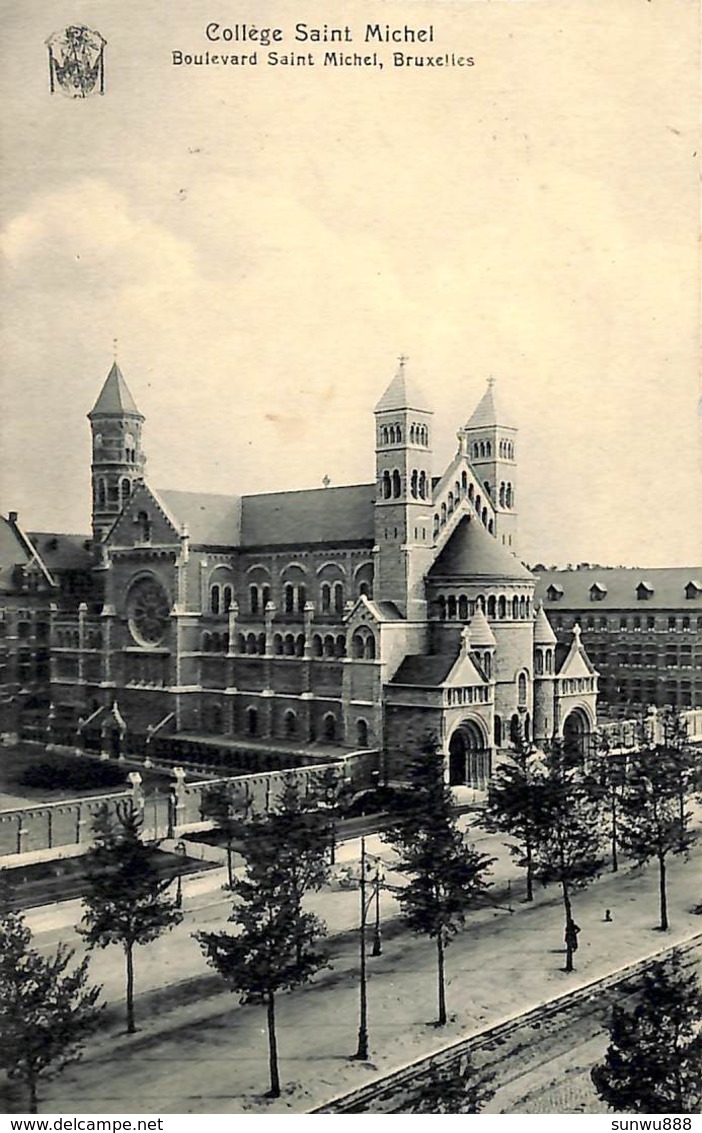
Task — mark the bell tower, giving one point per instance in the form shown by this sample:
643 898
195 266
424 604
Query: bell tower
490 442
403 517
118 460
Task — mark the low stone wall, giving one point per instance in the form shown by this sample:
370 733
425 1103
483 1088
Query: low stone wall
50 830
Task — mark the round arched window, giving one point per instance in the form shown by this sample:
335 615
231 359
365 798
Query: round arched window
148 610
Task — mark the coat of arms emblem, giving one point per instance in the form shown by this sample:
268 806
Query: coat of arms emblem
77 62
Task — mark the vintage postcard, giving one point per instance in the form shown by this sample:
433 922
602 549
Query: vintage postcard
351 470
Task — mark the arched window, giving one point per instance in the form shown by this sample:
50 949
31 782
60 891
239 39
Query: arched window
396 484
252 721
341 645
464 480
125 490
145 525
502 606
515 607
411 435
451 606
539 662
205 643
325 594
437 524
253 599
478 504
488 448
502 493
414 484
214 599
369 648
101 493
443 514
522 688
450 503
329 727
515 729
261 644
498 732
362 733
328 645
471 491
290 723
463 608
491 606
227 598
528 607
480 602
289 645
339 597
301 598
357 646
549 661
484 517
491 526
300 645
265 597
387 485
486 485
278 644
289 597
487 664
316 645
509 496
522 607
241 643
422 485
399 434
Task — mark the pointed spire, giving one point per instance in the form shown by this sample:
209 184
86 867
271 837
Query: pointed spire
115 398
543 633
481 636
489 412
403 392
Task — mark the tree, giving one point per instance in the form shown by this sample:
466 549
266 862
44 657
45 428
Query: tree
607 777
651 825
227 805
684 763
456 1090
276 945
46 1011
126 899
569 838
511 809
654 1061
446 876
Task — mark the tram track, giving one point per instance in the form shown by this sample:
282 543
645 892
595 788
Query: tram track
515 1050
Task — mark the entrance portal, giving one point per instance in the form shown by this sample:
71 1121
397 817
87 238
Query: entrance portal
576 732
469 759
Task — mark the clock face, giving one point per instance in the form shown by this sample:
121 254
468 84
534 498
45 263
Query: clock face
149 611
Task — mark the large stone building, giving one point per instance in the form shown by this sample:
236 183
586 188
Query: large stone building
642 629
366 617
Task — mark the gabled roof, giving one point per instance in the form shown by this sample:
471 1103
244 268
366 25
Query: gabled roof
577 662
472 552
115 398
14 552
212 520
489 411
403 393
669 588
318 515
425 671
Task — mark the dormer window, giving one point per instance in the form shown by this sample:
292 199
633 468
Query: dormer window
644 591
597 592
693 588
554 592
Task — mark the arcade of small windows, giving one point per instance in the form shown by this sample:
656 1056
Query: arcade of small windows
419 435
259 597
458 607
215 642
467 695
481 449
543 661
391 435
332 597
506 496
294 597
290 645
419 485
506 450
463 488
329 646
221 598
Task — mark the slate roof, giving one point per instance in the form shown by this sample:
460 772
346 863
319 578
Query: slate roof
61 552
115 398
621 582
472 552
425 671
479 632
317 515
489 411
13 552
543 631
212 520
403 393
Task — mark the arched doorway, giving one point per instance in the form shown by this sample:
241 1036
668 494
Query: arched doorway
469 758
576 730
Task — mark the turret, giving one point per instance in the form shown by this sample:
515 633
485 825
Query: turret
118 460
489 440
544 678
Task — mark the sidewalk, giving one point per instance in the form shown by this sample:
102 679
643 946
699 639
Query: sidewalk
209 1055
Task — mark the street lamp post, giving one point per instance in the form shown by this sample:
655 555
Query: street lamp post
181 850
377 942
362 1051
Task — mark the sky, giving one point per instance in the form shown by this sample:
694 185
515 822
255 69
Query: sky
264 242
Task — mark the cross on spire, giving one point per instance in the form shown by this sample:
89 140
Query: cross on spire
114 348
402 359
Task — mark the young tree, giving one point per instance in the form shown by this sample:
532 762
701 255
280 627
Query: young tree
227 805
126 899
569 840
454 1091
685 765
511 809
276 945
651 825
47 1012
607 777
654 1061
446 875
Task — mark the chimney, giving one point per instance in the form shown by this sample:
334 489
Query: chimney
12 518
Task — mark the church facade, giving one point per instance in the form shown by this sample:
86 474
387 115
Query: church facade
360 618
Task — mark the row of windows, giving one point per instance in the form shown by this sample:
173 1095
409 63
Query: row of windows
391 485
543 661
481 449
506 494
462 488
458 696
392 435
117 492
678 694
329 645
463 608
577 684
635 622
644 591
649 658
291 725
332 597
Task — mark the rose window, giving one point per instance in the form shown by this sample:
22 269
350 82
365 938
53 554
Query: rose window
149 612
